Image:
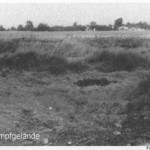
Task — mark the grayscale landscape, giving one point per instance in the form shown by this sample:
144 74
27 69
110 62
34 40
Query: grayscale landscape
77 85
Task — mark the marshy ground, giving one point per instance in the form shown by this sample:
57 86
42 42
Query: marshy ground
76 91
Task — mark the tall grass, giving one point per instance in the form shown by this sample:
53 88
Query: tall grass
117 61
32 61
8 46
107 42
78 67
73 47
129 42
100 42
144 86
138 110
52 55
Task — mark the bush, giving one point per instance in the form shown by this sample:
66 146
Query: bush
117 60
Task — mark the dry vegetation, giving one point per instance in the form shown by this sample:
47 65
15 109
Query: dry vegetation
76 91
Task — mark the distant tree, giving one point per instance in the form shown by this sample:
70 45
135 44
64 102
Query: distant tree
142 25
2 28
118 23
29 26
103 27
13 28
42 27
110 27
74 27
75 24
81 28
56 28
93 23
128 24
145 25
20 28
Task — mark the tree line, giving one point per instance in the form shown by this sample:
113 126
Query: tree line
76 27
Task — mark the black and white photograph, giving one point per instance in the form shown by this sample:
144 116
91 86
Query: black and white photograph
74 74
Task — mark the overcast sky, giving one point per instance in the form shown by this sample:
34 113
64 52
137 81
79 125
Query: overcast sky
12 14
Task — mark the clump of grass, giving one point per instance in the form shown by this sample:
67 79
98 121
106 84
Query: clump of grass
8 46
36 62
32 61
56 65
78 67
21 61
117 61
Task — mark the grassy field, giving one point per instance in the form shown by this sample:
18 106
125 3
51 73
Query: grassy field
81 34
88 88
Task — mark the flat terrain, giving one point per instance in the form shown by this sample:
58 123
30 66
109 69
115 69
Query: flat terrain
73 90
83 34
